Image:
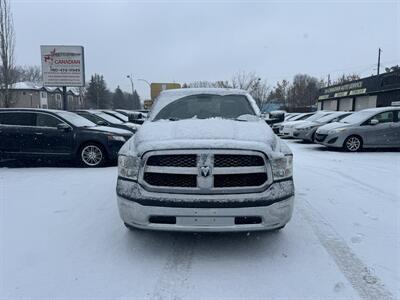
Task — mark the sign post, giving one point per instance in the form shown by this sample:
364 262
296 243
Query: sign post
63 66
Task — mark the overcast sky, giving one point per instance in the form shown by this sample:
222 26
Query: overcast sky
182 41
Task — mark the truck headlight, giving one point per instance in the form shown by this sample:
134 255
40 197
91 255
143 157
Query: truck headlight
128 167
282 167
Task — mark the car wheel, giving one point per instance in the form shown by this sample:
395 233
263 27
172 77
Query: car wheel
353 143
92 155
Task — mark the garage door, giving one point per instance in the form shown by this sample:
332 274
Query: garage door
365 102
346 104
330 105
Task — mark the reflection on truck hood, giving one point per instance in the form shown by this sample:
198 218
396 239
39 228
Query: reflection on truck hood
203 134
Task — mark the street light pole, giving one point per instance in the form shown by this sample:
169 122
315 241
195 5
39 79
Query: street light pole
131 80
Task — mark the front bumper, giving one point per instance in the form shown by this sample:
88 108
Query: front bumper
330 140
203 213
287 131
303 134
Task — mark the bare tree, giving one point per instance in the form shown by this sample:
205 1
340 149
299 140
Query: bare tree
252 83
7 44
344 78
28 73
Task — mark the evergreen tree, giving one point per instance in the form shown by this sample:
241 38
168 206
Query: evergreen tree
118 99
97 94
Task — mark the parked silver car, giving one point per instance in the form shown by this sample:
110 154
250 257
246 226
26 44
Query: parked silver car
306 131
369 128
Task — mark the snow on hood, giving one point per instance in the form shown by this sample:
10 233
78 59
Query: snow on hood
111 130
325 128
305 124
215 133
293 123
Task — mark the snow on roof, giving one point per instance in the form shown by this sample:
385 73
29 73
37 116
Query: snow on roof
27 85
168 96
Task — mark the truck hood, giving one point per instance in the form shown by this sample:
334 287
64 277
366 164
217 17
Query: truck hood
213 133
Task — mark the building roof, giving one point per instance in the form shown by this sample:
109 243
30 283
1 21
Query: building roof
28 85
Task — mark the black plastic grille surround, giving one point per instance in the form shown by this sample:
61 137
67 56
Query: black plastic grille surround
240 180
171 180
237 160
179 160
320 137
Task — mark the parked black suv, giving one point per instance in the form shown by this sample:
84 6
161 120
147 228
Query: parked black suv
43 133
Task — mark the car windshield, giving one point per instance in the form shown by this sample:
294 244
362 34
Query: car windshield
328 118
118 115
317 116
75 119
357 117
206 106
111 119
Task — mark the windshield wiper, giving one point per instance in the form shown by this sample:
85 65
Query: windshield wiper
173 119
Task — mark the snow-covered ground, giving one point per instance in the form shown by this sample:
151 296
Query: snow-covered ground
61 236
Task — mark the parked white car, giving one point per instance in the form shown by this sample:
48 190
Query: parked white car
287 128
205 161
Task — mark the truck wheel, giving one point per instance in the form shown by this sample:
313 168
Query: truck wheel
353 143
92 155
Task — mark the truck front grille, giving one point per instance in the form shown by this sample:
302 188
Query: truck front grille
240 180
237 160
185 160
172 180
205 171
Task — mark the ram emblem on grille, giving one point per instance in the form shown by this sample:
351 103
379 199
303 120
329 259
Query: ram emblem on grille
205 171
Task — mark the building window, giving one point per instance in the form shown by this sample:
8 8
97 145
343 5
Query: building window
43 95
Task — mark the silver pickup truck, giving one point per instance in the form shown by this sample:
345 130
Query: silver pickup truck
205 161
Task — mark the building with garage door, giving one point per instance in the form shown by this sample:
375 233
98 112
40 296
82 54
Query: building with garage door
375 91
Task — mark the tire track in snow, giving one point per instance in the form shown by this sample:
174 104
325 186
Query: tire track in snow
360 276
354 180
175 273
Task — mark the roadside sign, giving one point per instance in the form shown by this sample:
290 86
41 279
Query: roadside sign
63 65
156 88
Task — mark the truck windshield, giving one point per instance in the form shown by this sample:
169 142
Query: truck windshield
206 106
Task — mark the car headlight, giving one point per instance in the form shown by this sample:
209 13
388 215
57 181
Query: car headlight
337 130
116 138
282 167
128 167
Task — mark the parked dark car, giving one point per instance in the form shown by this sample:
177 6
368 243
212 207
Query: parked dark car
101 118
43 133
134 116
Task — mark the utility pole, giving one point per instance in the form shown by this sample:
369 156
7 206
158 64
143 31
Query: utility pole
131 80
379 60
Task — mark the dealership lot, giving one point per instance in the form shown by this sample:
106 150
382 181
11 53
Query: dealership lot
61 236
